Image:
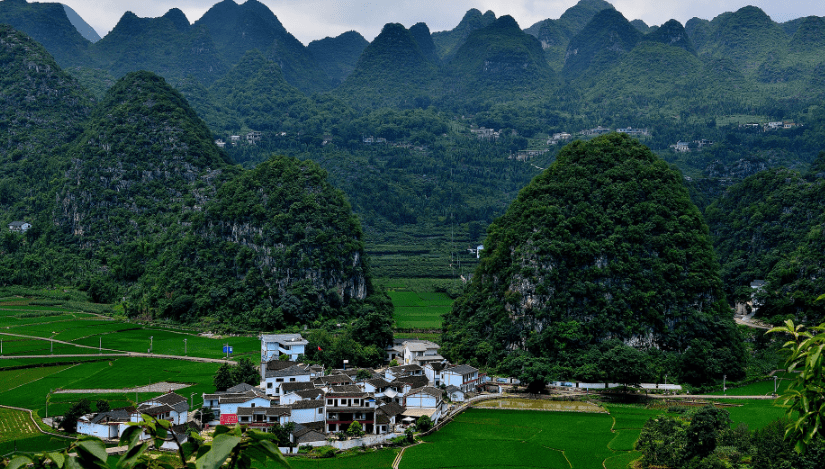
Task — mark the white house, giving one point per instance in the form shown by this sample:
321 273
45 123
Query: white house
104 425
273 379
301 395
170 406
393 372
347 404
275 345
228 407
387 417
464 377
19 226
414 349
455 394
308 411
263 417
424 401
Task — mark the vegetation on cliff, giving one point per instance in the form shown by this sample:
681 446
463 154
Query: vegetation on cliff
603 246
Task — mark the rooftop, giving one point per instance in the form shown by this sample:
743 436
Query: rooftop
288 339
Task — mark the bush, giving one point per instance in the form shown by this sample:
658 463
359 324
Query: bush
326 452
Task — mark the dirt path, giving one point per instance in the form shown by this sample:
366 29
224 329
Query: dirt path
109 352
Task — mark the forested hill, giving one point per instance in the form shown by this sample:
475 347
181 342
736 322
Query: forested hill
769 227
604 245
42 108
135 203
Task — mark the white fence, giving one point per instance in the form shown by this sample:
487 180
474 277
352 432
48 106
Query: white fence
366 440
649 386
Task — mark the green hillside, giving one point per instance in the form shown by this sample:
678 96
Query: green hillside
604 244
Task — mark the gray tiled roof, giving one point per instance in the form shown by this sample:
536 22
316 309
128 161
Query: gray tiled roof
243 387
413 381
392 409
285 339
420 345
351 388
295 370
435 392
461 370
331 379
263 410
296 386
310 393
307 404
117 415
378 382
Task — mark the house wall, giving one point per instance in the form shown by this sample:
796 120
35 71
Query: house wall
421 400
227 408
98 430
275 390
308 415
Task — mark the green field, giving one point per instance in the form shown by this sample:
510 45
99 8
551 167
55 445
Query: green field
419 310
17 431
373 460
111 374
755 413
498 438
761 388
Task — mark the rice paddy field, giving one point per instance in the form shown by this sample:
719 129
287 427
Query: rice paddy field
484 438
18 432
23 328
31 387
419 310
761 388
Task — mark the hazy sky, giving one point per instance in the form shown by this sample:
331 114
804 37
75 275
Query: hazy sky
315 19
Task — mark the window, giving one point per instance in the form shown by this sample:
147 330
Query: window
253 405
269 385
279 380
291 380
329 401
320 410
244 419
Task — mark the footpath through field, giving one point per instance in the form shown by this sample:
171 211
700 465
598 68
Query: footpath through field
109 352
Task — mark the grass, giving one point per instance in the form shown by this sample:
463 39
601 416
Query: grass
761 388
15 378
755 413
512 438
17 431
382 459
419 310
112 374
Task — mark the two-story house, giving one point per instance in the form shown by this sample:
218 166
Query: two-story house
275 345
464 377
347 404
273 379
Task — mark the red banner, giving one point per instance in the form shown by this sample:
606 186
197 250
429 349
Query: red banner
229 419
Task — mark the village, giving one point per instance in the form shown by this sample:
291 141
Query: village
320 406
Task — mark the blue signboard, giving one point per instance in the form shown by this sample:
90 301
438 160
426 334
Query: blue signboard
227 349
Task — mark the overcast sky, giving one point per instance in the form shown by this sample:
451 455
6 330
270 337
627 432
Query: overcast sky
315 19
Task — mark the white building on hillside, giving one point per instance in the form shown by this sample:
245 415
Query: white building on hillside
275 345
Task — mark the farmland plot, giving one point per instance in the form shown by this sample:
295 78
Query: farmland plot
419 310
511 438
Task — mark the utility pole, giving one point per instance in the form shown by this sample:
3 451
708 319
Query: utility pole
51 345
185 352
100 346
774 384
724 380
151 343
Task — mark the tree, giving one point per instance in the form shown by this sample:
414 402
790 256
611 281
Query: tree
282 434
624 364
245 372
424 423
223 377
805 396
69 422
103 405
373 328
704 431
231 448
363 374
355 430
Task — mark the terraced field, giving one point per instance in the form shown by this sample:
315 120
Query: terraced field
419 310
17 432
